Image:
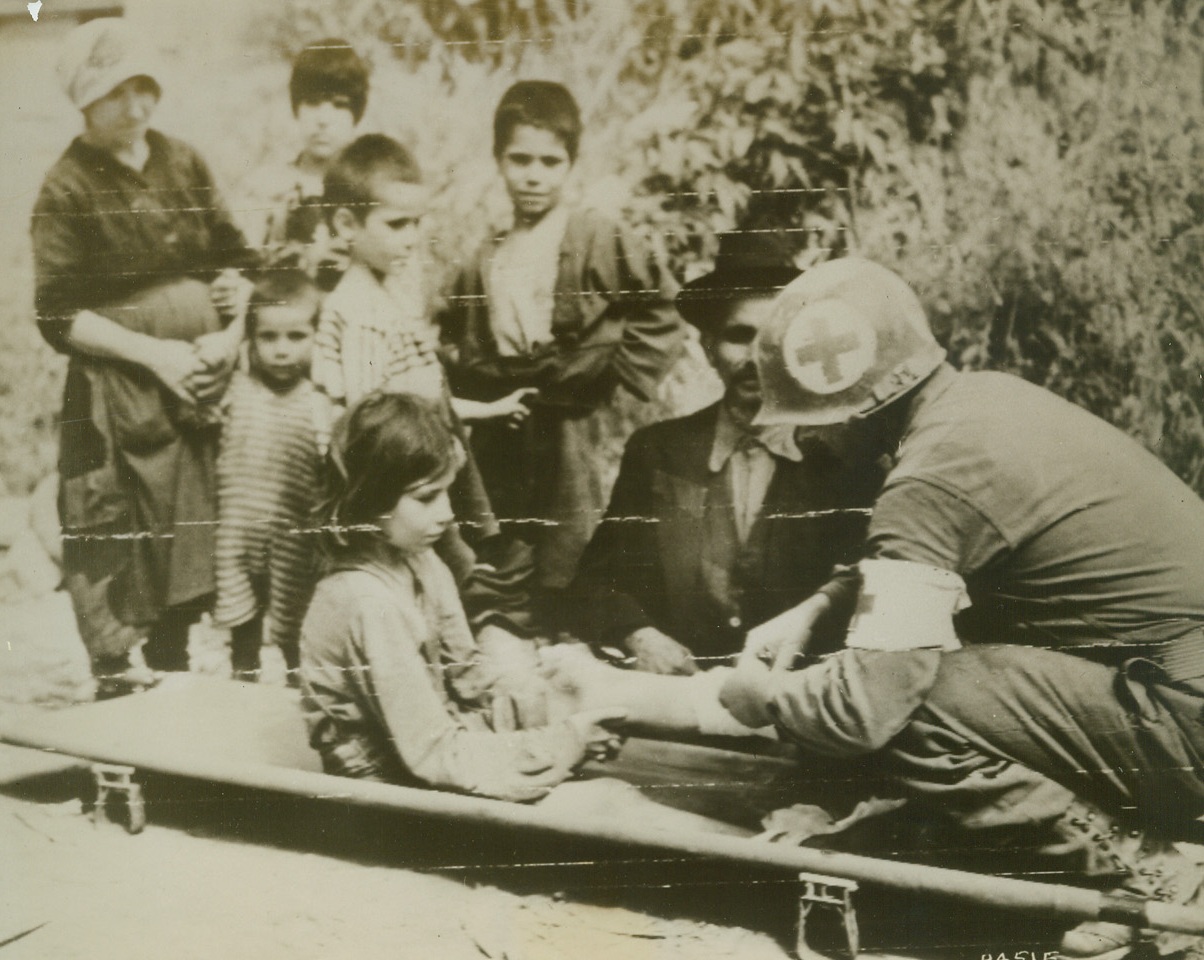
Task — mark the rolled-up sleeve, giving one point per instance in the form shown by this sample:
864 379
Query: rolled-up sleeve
852 702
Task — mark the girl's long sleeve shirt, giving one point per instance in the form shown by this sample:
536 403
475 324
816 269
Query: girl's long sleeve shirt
390 669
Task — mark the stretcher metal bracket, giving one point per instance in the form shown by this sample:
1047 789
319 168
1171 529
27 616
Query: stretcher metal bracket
831 892
116 780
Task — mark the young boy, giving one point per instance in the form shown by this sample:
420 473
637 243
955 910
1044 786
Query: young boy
373 334
566 303
275 435
329 91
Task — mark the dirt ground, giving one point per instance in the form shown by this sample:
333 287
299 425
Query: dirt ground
86 891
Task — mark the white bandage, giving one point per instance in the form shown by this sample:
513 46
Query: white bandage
906 606
711 715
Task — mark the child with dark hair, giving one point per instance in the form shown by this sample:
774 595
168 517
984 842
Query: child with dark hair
567 304
395 687
541 105
275 434
327 73
328 90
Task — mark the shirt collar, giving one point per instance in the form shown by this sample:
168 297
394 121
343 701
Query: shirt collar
729 436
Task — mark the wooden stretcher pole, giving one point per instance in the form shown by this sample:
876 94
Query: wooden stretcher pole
1045 899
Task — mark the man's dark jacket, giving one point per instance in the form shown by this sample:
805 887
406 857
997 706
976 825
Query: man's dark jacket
667 554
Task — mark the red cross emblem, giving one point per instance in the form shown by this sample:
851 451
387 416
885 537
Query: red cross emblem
828 347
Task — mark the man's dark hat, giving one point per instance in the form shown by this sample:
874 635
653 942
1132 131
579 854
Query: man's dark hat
750 263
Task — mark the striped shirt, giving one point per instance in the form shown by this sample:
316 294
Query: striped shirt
372 337
268 473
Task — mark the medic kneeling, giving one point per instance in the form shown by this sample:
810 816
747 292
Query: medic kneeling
1026 631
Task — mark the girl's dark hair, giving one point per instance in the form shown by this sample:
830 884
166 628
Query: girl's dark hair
327 69
386 444
538 103
373 158
283 284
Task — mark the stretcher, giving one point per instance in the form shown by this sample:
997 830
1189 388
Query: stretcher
253 737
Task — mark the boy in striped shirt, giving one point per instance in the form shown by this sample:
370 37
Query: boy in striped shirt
374 333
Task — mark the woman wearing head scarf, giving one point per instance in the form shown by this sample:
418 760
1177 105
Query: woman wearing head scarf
135 256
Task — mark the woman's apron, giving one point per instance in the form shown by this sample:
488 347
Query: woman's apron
137 500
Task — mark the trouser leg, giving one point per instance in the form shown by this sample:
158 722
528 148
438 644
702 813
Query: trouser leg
292 655
470 501
167 644
246 639
1125 741
167 640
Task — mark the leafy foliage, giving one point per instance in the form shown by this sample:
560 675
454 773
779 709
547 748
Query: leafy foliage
1030 165
1066 240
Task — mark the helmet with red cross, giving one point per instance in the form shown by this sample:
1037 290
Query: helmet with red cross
841 341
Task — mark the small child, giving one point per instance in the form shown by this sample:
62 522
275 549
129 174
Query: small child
394 685
374 334
329 91
276 430
566 303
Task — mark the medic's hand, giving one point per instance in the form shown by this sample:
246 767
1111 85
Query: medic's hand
656 652
778 641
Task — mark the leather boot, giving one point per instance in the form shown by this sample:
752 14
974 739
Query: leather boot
1146 866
